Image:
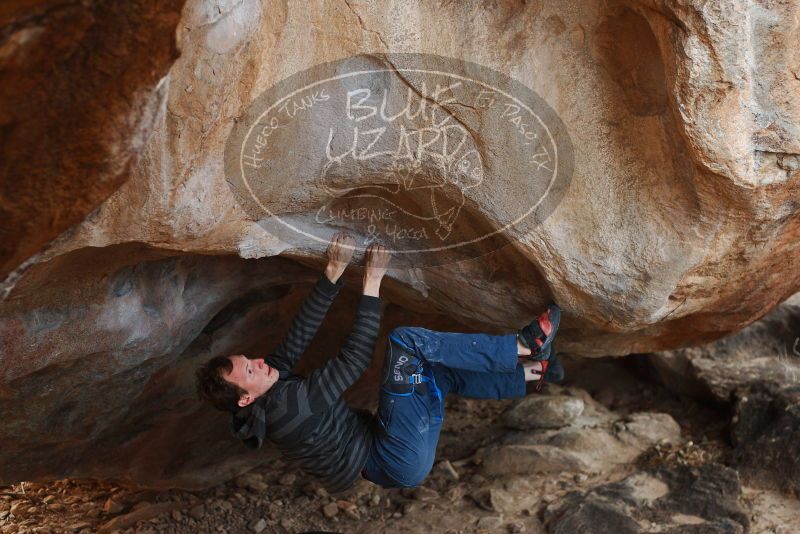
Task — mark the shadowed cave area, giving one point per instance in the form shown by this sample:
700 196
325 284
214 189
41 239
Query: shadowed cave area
667 422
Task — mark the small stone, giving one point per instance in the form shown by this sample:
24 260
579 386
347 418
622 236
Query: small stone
330 509
455 493
85 507
111 506
515 527
410 507
321 492
252 482
375 500
501 500
349 508
425 494
259 525
580 478
550 411
287 479
49 499
489 522
197 511
446 469
478 479
56 507
361 487
286 523
176 515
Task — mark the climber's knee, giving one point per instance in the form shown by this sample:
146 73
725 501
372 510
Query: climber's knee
404 337
399 363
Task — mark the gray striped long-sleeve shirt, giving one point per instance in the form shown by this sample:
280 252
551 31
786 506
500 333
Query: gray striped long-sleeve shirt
306 418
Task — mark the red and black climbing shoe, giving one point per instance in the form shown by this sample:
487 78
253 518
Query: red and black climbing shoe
540 382
539 334
551 368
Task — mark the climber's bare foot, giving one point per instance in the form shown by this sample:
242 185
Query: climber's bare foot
522 350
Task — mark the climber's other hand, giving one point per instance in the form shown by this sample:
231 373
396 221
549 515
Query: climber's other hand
340 251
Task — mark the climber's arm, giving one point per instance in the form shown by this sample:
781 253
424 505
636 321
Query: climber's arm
305 324
326 385
307 321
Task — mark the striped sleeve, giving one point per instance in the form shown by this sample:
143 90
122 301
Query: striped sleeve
326 384
305 324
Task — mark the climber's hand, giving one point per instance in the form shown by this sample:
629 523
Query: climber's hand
340 251
377 259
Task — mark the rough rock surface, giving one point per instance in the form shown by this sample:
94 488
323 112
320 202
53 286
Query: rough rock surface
681 499
681 222
766 352
755 373
766 427
590 443
544 412
81 85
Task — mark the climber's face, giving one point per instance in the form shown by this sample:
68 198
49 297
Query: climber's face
253 376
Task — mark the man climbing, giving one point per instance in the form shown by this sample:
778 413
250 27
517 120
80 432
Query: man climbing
311 425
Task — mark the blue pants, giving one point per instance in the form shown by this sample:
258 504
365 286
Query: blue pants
479 366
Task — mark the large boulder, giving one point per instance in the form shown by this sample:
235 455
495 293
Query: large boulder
81 86
681 220
766 352
590 441
675 219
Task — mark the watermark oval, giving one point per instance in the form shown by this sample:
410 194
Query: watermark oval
439 159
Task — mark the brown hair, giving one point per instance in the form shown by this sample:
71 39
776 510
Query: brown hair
214 389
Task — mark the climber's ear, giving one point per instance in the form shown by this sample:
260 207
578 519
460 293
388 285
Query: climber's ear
244 400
